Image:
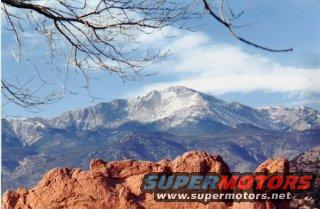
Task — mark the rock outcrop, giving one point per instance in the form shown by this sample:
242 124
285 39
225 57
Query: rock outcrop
307 162
116 184
278 165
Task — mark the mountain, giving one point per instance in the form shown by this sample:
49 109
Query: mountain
299 118
160 124
172 108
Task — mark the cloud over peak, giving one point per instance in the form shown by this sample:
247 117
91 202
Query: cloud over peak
200 63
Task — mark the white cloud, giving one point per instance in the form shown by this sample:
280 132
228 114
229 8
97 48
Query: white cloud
201 64
158 38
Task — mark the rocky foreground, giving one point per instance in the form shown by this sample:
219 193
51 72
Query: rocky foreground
117 184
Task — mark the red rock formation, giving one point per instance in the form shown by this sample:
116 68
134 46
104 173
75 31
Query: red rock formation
278 165
116 184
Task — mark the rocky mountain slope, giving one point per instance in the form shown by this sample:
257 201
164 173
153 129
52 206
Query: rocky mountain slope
164 110
300 118
117 184
160 124
307 162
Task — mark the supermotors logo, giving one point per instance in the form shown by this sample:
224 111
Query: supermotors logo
218 187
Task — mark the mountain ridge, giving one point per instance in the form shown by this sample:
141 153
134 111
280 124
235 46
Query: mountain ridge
173 106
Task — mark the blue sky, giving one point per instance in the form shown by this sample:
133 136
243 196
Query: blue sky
208 60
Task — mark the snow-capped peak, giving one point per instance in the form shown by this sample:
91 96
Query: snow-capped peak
173 101
172 107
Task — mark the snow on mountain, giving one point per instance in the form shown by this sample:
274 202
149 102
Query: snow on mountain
173 107
298 118
177 101
108 115
179 104
29 129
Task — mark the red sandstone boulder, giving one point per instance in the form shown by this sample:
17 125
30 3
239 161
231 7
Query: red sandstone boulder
278 165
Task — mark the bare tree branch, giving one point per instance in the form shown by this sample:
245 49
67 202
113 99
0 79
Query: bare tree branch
103 35
225 22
